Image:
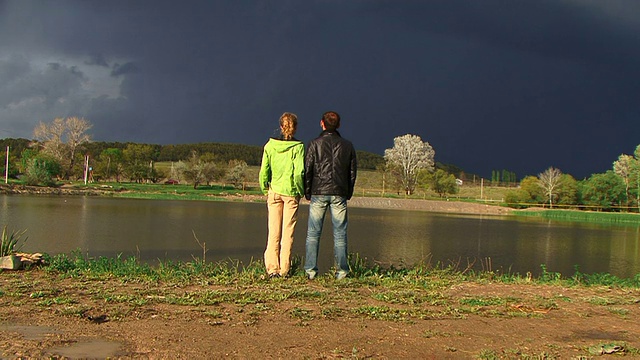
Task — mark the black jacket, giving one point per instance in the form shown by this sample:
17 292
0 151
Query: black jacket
330 166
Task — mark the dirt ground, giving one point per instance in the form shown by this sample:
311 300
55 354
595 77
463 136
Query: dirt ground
537 321
43 316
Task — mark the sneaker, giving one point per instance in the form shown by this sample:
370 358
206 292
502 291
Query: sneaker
274 275
341 275
311 276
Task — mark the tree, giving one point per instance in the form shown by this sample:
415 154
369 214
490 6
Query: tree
13 160
237 173
623 168
138 162
199 169
62 139
110 164
567 190
636 174
443 183
40 169
549 180
409 155
603 190
531 185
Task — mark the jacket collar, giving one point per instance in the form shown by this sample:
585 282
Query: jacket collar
281 138
328 132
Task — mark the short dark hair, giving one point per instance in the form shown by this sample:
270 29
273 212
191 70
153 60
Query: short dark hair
331 120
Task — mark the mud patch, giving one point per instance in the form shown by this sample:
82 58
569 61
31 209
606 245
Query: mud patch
94 349
30 332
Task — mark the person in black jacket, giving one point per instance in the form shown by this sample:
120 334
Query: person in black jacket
330 175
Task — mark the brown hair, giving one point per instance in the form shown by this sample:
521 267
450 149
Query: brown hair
288 125
331 120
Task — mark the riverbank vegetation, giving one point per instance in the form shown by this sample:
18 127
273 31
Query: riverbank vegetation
583 216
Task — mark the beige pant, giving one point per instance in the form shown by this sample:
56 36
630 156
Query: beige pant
283 215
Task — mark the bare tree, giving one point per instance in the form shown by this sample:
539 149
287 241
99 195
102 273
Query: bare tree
237 173
549 181
76 136
198 169
409 155
623 167
62 139
51 138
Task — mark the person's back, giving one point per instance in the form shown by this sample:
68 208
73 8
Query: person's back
330 166
281 179
330 176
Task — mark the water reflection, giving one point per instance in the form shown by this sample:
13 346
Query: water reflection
166 230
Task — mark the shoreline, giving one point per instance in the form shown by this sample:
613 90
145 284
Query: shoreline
440 206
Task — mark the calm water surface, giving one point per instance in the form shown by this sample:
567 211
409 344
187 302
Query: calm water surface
167 230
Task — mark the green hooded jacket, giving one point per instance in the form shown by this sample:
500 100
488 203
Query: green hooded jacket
282 168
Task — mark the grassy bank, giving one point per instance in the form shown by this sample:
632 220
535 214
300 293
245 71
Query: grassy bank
442 310
362 273
583 216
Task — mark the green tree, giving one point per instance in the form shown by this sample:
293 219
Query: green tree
367 160
567 190
515 198
138 162
41 169
531 185
605 191
110 164
13 164
443 183
529 192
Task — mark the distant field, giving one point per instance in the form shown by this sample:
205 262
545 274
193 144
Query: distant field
370 183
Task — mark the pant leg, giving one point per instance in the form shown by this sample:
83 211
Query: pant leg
340 221
272 253
289 220
317 210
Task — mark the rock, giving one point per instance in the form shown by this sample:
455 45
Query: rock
11 262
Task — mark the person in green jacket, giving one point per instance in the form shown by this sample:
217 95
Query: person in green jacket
282 180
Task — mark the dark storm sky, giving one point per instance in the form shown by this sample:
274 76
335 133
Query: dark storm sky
517 85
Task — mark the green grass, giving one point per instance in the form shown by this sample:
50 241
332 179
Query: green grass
396 285
11 241
583 216
214 192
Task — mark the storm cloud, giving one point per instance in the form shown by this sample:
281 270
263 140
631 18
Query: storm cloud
490 85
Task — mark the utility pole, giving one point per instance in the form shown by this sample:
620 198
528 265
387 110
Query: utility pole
86 168
6 168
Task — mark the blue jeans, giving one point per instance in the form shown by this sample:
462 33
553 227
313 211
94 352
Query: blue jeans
317 209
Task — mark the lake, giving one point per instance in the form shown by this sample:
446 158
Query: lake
167 230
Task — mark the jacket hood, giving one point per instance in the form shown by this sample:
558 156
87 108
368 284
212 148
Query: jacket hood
281 146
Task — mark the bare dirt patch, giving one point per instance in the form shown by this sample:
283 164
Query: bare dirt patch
442 206
43 315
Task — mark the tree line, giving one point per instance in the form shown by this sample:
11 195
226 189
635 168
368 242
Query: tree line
62 149
410 163
617 189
